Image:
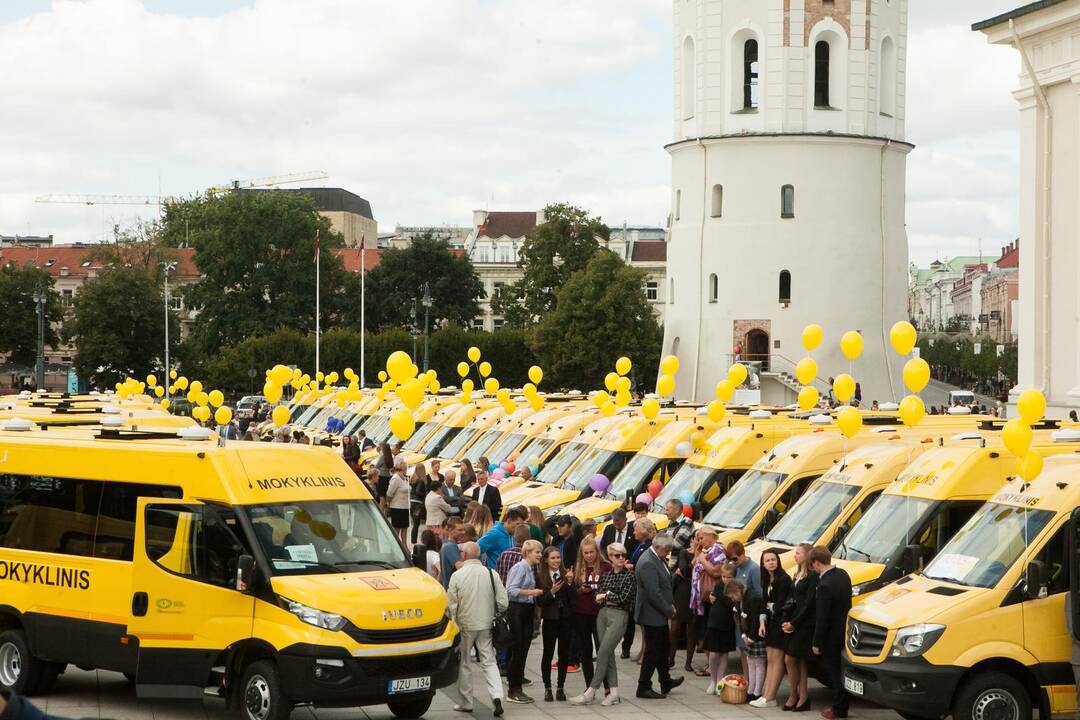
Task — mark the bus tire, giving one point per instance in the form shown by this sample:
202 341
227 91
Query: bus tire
410 709
20 671
992 695
261 697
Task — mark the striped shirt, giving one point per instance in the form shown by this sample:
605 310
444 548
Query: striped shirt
620 588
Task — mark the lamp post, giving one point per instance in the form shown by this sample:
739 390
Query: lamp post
413 327
40 295
168 267
426 300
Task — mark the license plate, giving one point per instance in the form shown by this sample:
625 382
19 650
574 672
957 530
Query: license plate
409 685
855 687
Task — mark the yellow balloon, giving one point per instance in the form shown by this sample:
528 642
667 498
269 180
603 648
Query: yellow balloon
811 336
196 387
164 404
843 387
808 398
280 416
502 395
608 409
485 369
849 420
665 385
509 406
851 344
622 365
528 390
296 374
650 408
622 385
402 424
434 387
466 396
383 376
159 391
601 398
474 354
622 399
468 385
491 386
172 374
202 398
903 337
716 411
536 403
806 371
724 390
216 398
151 380
272 393
737 374
1030 465
332 378
536 374
1017 437
916 374
463 368
912 410
610 381
182 382
411 393
1031 406
350 374
281 374
413 370
669 365
319 376
399 366
223 416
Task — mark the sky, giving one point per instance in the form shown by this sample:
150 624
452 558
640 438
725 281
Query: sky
433 108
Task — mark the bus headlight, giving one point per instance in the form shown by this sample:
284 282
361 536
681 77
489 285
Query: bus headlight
914 640
318 618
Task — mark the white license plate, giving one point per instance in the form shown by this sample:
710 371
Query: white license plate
855 687
408 685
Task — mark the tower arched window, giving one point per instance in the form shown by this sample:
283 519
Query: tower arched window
821 74
717 201
671 290
678 204
785 287
750 74
887 78
787 201
689 78
714 287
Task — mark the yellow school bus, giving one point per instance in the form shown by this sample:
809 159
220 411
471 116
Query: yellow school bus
261 572
547 444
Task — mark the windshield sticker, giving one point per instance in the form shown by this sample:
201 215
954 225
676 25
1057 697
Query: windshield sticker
1017 499
49 575
378 582
953 566
288 565
302 553
276 483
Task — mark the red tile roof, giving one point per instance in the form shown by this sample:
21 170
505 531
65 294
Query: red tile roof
76 259
1010 256
351 258
650 251
508 224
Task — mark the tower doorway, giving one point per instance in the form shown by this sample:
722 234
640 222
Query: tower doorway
757 348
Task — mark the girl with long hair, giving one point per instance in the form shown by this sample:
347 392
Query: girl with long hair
557 613
776 588
798 626
587 573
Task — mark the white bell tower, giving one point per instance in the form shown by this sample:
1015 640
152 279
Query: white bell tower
788 172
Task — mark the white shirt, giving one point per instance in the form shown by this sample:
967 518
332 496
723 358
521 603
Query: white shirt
480 493
620 536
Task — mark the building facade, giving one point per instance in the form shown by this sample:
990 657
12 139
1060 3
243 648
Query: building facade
788 187
1046 36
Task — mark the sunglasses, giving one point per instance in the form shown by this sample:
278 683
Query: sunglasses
617 555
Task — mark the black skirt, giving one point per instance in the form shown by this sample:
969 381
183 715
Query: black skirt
399 518
775 637
719 641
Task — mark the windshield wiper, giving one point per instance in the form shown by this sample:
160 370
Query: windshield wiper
378 563
316 563
846 549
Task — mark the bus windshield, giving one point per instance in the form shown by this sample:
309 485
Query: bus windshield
419 436
561 462
740 503
984 549
320 536
887 527
455 447
812 513
534 449
636 473
605 462
438 439
502 449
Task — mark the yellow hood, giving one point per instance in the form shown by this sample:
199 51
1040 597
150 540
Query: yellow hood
898 605
411 597
592 507
523 492
543 497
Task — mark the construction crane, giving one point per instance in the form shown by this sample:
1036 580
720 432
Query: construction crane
159 200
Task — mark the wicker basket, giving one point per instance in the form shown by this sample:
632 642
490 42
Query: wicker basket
733 694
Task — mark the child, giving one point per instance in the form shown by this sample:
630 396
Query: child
751 611
720 627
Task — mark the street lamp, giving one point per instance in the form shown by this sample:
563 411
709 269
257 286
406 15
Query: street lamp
40 295
168 267
413 328
426 300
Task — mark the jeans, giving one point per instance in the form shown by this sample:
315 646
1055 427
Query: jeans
657 641
831 659
628 637
611 624
521 625
586 637
463 689
561 632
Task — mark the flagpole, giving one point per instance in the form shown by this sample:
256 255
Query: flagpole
363 272
317 293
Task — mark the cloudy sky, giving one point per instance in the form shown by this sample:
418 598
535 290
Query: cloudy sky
431 108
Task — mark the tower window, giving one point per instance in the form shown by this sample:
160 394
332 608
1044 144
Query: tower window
717 201
785 287
750 75
887 79
678 204
821 74
714 288
689 78
671 290
787 201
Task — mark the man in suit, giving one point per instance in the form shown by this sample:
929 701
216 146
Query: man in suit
653 607
833 603
620 531
486 494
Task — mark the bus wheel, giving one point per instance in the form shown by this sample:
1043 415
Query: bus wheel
992 696
262 697
20 672
409 709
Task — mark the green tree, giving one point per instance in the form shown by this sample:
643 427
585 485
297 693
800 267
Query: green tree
555 249
18 321
256 253
400 278
601 313
118 326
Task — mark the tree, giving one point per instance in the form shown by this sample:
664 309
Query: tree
256 251
555 249
400 278
118 326
18 321
600 314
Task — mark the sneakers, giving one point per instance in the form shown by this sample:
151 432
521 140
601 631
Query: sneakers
582 699
612 699
763 703
548 697
519 698
560 695
710 689
497 709
573 668
463 708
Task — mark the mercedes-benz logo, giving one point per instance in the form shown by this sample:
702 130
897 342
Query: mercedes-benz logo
853 636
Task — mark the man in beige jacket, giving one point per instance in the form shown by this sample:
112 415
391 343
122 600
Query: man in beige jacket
473 605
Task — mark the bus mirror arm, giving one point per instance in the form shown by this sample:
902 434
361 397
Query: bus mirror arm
245 573
771 518
1033 579
911 559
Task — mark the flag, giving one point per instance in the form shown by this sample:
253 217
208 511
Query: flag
362 242
316 256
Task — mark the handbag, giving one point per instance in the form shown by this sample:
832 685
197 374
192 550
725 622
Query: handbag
501 635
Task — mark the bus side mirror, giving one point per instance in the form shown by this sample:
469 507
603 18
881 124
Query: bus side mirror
911 559
245 573
841 532
772 516
1033 579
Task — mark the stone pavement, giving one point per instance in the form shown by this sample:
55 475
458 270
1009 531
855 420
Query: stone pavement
99 694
